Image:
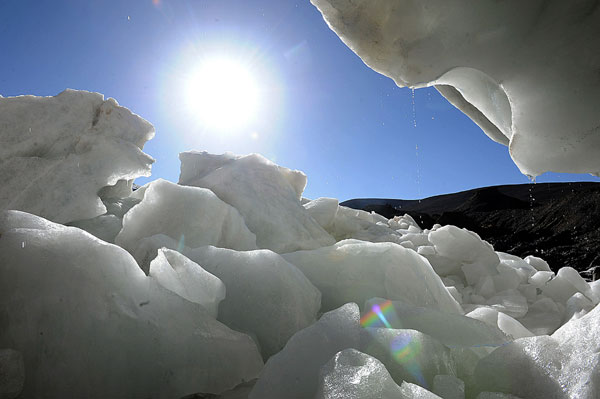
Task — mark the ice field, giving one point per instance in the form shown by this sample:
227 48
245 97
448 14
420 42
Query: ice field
229 282
231 275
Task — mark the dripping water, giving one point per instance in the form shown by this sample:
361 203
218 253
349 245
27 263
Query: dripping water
414 116
532 183
414 110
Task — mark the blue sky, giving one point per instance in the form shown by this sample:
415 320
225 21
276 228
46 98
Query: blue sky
351 130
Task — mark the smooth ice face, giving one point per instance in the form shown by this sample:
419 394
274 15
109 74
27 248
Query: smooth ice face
294 372
452 330
323 210
193 216
465 249
107 226
92 316
57 153
567 283
564 365
265 194
409 355
266 296
522 70
354 271
354 375
187 279
448 387
505 323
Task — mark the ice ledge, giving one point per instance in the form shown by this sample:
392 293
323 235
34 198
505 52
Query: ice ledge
532 80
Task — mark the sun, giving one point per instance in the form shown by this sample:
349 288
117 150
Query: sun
222 94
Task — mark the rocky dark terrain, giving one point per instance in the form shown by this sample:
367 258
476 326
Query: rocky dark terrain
559 222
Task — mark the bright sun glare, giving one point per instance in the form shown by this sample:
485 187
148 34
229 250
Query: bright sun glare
223 94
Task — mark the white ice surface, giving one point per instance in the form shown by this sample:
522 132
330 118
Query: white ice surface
354 271
187 279
453 330
191 215
57 153
564 365
354 375
265 194
89 323
266 296
294 372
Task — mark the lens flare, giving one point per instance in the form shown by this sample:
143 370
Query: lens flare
405 351
403 348
377 316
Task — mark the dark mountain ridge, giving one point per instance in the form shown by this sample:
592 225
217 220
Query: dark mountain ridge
557 221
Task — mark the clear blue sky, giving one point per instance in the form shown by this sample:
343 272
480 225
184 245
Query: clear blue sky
351 130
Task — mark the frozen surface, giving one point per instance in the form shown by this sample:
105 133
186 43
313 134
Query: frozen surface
266 296
265 194
408 355
294 372
514 67
453 330
84 315
464 249
504 322
442 311
323 210
448 387
187 279
354 271
57 153
564 365
354 375
191 215
351 374
107 226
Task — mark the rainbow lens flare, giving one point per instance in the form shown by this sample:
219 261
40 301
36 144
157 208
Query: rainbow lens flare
377 316
405 350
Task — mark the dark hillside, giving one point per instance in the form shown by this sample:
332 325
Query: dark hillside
559 222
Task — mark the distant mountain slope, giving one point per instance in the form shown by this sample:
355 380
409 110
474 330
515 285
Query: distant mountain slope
559 222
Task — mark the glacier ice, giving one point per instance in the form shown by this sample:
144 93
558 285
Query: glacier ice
563 365
194 216
57 153
294 372
448 387
513 67
84 315
323 211
187 300
503 321
266 296
187 279
453 330
355 375
354 271
265 194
